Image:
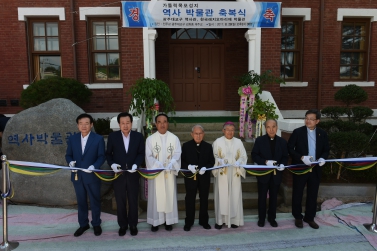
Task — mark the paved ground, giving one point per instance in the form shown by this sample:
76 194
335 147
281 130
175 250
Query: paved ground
41 228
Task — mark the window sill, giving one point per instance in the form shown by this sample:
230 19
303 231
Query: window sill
98 86
358 83
294 84
105 86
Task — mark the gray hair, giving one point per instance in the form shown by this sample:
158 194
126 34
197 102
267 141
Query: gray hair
229 125
276 122
195 126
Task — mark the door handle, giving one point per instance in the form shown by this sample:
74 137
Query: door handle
197 69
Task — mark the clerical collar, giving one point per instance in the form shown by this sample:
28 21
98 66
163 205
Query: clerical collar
272 138
163 135
197 144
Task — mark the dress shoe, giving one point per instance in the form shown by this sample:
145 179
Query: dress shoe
154 228
187 228
81 230
133 230
233 226
218 226
273 223
312 224
298 223
261 223
122 231
168 227
206 226
97 230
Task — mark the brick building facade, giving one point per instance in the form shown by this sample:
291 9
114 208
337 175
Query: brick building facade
321 46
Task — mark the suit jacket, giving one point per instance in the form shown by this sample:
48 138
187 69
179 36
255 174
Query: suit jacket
189 155
94 154
116 153
262 152
298 146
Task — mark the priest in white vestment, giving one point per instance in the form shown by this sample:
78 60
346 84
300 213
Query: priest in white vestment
163 150
227 183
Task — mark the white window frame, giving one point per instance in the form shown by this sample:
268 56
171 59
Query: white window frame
98 11
24 12
361 13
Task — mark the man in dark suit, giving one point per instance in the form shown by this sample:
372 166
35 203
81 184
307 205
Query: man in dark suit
86 150
126 150
307 144
270 150
196 154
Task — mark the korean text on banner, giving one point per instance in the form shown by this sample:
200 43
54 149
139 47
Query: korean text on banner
206 15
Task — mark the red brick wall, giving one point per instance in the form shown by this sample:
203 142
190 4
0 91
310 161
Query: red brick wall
13 61
332 33
292 98
14 58
306 98
236 64
270 58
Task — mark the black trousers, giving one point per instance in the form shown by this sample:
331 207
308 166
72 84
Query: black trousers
311 180
202 183
262 198
126 188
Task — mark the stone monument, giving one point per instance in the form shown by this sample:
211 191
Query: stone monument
39 134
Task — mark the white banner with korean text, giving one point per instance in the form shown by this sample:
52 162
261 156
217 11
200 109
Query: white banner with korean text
206 15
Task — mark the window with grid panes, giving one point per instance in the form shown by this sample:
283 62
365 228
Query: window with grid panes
105 50
354 49
44 48
291 49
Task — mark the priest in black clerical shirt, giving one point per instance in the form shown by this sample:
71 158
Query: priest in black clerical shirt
270 150
197 154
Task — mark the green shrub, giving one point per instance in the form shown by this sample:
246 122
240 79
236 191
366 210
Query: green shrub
350 143
55 87
361 113
334 126
144 92
102 126
351 94
366 128
346 126
253 78
349 137
330 172
264 107
334 112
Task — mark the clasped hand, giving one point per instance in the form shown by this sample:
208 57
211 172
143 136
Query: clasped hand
192 168
307 160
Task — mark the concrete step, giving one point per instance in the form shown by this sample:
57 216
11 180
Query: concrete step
208 127
208 136
249 200
249 194
248 185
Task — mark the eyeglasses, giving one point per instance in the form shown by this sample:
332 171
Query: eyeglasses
310 119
